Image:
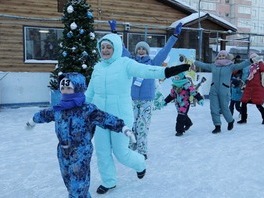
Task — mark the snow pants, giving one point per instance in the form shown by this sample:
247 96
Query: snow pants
75 169
142 118
219 103
108 142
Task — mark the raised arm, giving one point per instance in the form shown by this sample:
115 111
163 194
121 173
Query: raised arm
206 66
125 52
242 65
163 53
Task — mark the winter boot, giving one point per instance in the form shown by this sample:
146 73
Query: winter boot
179 133
261 110
230 125
243 114
186 128
243 119
140 175
102 190
217 129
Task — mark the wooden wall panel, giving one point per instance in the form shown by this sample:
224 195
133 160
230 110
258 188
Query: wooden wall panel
147 12
12 46
139 13
30 8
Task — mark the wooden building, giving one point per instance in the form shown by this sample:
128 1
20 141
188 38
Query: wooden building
29 29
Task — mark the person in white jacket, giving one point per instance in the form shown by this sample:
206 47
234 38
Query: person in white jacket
109 89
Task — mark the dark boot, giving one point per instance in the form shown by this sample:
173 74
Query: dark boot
243 114
230 125
217 129
243 119
102 190
179 134
261 110
187 126
140 175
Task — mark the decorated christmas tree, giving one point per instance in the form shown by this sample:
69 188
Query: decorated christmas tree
77 48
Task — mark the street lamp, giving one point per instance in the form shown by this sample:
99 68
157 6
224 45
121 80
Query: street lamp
200 31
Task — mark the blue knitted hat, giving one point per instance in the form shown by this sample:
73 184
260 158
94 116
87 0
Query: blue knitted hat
77 79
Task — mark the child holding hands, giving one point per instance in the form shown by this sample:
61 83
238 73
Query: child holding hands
181 91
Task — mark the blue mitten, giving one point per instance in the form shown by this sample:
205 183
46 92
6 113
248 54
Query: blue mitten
112 24
178 29
201 102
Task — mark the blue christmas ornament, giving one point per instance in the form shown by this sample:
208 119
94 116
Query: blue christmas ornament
81 31
69 34
84 53
89 14
64 54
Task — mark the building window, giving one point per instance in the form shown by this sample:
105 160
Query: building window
41 44
244 10
152 39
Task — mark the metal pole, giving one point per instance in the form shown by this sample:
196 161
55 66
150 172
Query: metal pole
200 43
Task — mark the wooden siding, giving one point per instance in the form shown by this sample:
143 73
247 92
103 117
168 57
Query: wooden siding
145 12
148 13
11 31
12 45
143 15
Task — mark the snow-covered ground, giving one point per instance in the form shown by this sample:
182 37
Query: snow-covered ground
197 165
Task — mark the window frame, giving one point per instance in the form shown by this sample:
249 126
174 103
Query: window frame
40 34
131 46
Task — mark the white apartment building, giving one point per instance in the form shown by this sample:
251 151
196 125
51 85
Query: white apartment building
246 15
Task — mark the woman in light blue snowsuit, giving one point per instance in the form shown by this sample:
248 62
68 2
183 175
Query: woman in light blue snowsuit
109 89
219 94
143 90
75 121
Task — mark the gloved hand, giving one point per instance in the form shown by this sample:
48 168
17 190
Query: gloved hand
129 133
174 70
178 29
30 124
201 102
112 24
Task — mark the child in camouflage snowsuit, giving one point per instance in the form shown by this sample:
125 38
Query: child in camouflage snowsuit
75 122
180 93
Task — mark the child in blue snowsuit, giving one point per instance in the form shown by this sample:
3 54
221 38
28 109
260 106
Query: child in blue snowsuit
75 122
236 92
181 91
